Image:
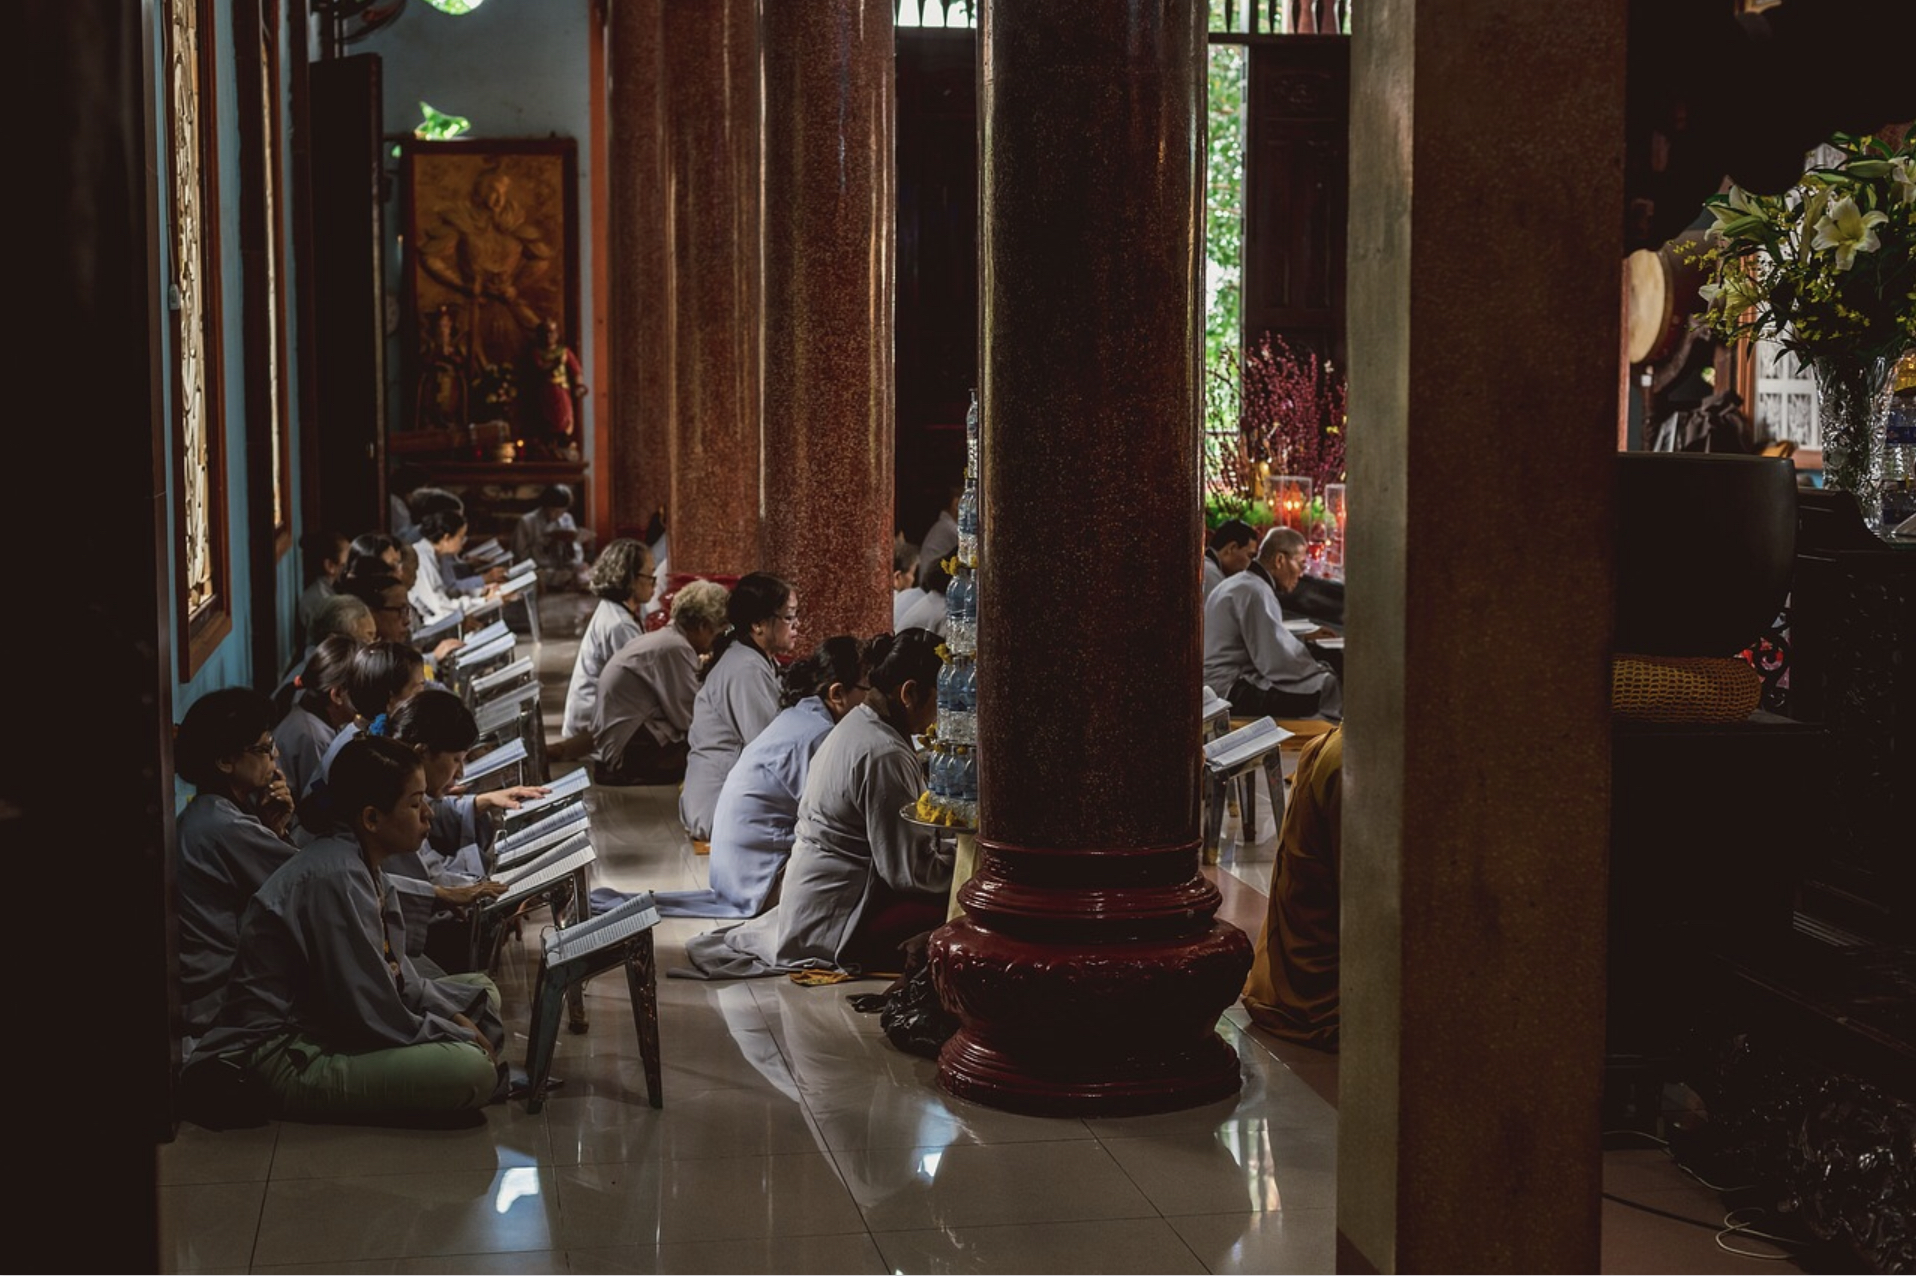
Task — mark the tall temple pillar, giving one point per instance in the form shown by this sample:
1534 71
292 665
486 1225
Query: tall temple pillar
1483 409
829 283
639 415
711 89
1089 970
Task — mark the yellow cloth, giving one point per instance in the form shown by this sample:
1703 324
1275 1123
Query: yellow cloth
1292 989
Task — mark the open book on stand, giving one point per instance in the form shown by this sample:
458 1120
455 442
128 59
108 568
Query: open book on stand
596 934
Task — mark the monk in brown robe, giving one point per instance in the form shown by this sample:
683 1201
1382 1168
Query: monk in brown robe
1292 990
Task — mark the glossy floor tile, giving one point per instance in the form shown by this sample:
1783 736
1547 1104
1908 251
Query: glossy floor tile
795 1138
1113 1245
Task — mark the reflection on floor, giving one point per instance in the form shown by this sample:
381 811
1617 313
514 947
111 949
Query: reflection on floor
795 1139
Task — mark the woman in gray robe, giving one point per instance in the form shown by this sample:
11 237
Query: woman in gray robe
622 578
230 838
739 696
324 1007
646 692
320 709
757 813
861 879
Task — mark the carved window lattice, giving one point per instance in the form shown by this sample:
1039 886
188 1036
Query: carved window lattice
193 296
1785 406
276 424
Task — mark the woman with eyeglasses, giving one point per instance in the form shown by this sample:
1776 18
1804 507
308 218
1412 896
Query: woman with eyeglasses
757 812
861 879
324 1008
738 696
230 838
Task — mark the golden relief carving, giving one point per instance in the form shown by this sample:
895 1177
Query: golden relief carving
188 210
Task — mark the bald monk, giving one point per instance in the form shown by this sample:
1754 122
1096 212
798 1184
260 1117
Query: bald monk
1292 991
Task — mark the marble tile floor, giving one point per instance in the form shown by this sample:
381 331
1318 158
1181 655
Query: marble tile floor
794 1138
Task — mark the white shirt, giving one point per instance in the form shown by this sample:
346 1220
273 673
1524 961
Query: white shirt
611 627
927 613
902 603
940 543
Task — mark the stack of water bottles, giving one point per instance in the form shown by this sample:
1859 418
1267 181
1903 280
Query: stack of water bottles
952 797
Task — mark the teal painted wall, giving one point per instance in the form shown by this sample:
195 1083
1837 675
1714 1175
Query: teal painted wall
231 663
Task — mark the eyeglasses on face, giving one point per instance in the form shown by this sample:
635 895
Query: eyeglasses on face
264 749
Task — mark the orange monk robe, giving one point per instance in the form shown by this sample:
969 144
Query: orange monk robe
1292 990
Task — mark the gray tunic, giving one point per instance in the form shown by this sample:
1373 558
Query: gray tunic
225 855
738 700
315 596
313 959
1244 637
612 626
303 739
649 683
850 836
940 543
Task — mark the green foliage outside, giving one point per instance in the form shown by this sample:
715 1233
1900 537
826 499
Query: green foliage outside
1223 243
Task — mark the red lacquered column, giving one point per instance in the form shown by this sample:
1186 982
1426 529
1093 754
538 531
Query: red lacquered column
712 170
1089 971
640 414
830 187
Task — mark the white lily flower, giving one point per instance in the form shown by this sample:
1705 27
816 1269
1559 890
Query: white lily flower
1902 174
1849 230
1741 204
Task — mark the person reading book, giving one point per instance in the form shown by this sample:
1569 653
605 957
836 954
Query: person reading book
230 838
324 1009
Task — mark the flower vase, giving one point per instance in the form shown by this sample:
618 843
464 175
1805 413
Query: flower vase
1848 395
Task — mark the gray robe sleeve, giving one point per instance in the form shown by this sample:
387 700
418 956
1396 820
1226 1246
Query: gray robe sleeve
903 855
360 1003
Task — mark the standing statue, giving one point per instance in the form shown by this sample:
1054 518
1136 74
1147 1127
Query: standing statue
490 251
442 378
555 384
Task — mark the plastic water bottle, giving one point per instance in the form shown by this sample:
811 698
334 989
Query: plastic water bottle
940 778
968 696
971 438
968 526
948 701
967 786
957 635
971 610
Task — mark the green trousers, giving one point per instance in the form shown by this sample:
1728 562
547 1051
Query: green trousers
312 1083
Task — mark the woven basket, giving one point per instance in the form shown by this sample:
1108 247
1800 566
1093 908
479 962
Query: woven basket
1683 689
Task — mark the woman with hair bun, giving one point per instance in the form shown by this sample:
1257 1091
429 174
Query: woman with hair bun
738 696
757 813
861 879
319 710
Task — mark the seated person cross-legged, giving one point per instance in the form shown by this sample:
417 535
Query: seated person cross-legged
1292 989
738 692
231 836
324 1007
1250 658
446 873
646 691
861 880
757 813
623 580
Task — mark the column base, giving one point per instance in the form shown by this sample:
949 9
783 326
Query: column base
1088 1029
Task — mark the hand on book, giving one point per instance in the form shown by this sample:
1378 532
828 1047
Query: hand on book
461 896
446 645
509 799
494 575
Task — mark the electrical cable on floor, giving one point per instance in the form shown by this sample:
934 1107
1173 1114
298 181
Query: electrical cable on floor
1705 1224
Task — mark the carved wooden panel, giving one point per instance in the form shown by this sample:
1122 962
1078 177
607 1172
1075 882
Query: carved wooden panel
194 299
1297 181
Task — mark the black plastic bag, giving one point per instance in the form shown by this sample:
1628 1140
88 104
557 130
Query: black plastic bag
912 1016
